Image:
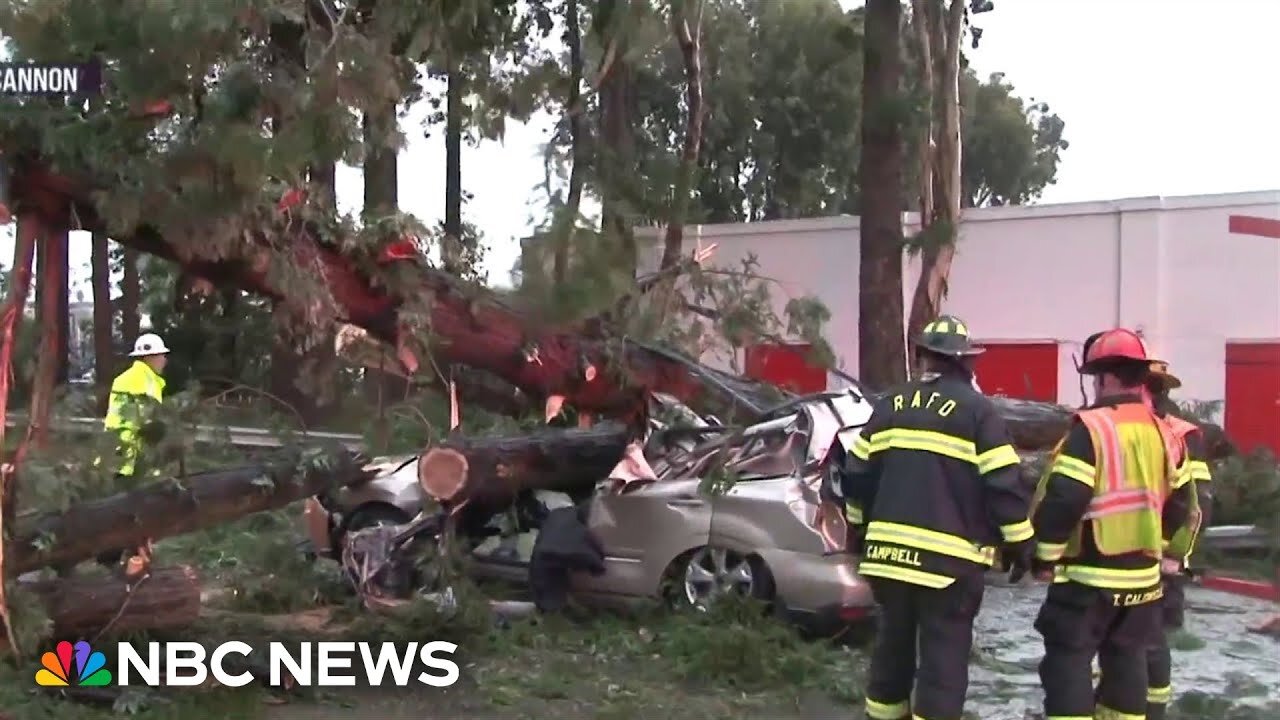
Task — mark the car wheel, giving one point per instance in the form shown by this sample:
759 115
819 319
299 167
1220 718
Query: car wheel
710 573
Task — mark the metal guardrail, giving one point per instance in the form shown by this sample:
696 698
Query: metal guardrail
1234 537
237 436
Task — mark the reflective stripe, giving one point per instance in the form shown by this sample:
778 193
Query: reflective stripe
930 540
926 441
887 711
1074 468
1118 497
1050 552
1102 712
1109 578
1160 695
996 458
1122 501
907 575
1017 532
1199 470
861 448
853 513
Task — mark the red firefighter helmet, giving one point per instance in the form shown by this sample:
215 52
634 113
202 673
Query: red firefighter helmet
1113 346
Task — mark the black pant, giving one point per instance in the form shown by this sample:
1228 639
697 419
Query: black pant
936 624
1159 661
1078 622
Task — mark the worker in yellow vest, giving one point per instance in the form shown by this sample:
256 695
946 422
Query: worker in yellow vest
1174 566
1109 500
134 395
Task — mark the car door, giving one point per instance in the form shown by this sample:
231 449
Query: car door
642 531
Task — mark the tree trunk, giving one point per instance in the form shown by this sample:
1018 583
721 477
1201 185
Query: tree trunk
173 507
62 347
84 606
686 26
881 342
30 232
381 198
130 297
617 152
451 251
52 263
103 332
487 472
940 66
577 147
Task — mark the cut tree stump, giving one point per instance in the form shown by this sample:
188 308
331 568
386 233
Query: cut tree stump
487 472
174 507
85 605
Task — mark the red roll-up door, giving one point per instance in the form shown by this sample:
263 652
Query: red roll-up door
1027 371
1252 395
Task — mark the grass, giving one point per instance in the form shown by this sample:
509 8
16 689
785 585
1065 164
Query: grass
734 661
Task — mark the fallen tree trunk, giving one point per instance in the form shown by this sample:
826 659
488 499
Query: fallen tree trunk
174 507
81 606
471 328
487 472
1039 426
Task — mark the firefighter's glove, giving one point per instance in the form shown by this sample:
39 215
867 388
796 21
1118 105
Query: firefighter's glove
1018 558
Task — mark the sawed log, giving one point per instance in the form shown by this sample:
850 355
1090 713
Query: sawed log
85 605
487 472
175 506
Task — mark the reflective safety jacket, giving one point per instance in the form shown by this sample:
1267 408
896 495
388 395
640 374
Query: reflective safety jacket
1195 469
1111 496
130 393
934 478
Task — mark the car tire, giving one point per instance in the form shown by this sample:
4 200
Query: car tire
695 564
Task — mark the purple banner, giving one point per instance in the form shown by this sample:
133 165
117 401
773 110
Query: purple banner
50 79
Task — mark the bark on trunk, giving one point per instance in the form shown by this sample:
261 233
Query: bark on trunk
1039 426
30 230
452 251
616 159
487 472
686 26
381 197
881 343
577 147
103 347
940 68
52 264
85 606
173 507
130 296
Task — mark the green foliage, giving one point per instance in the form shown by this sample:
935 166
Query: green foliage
1011 147
1247 491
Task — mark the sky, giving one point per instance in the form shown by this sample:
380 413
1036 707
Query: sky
1160 97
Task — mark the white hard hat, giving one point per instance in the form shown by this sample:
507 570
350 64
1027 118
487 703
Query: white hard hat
148 344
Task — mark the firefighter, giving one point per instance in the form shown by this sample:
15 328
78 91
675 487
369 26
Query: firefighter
1109 499
932 486
1174 566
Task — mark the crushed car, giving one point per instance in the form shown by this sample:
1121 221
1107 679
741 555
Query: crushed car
699 511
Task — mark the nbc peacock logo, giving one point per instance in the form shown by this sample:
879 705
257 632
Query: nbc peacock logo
90 667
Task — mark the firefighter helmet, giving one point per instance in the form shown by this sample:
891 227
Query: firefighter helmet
948 335
1112 347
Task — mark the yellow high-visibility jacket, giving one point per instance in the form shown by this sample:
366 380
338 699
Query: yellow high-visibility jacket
130 387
